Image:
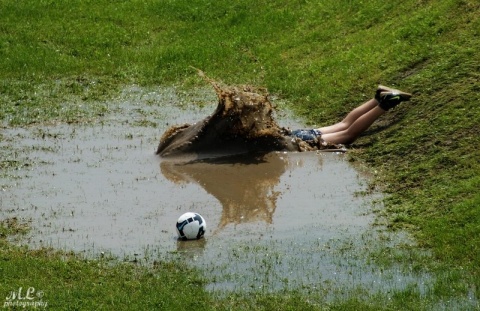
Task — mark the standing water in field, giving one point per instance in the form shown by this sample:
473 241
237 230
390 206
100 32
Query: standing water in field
277 220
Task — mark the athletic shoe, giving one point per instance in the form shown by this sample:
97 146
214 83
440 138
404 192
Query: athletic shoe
389 98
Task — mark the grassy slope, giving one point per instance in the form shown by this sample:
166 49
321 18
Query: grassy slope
324 57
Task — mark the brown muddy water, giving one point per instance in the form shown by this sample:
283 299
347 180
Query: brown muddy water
281 221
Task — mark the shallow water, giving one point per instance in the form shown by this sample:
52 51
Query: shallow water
281 221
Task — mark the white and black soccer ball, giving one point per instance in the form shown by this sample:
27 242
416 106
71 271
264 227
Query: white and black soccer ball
191 226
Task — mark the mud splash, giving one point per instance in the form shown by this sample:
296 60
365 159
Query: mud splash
292 221
243 122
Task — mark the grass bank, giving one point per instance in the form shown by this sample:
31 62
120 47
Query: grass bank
60 59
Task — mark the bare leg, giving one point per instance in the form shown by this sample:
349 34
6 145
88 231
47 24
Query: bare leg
352 132
350 118
360 118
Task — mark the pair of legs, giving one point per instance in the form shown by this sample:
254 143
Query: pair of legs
360 118
354 124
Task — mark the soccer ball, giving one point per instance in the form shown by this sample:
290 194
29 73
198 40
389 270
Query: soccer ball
191 226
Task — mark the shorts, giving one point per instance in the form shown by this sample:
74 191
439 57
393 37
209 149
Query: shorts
311 137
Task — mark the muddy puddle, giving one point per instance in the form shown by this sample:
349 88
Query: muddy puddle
280 221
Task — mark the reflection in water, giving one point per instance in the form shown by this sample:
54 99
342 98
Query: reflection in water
191 248
244 185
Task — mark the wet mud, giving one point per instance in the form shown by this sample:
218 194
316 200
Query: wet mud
276 220
243 122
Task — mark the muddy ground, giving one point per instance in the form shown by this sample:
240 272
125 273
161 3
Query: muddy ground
282 220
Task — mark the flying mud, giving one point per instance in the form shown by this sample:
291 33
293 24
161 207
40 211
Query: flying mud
243 122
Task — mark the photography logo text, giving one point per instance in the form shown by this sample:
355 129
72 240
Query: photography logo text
25 298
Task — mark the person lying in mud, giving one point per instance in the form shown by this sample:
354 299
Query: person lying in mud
357 121
243 122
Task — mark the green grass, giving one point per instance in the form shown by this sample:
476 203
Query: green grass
71 283
59 61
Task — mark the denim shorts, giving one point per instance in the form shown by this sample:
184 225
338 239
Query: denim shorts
311 135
